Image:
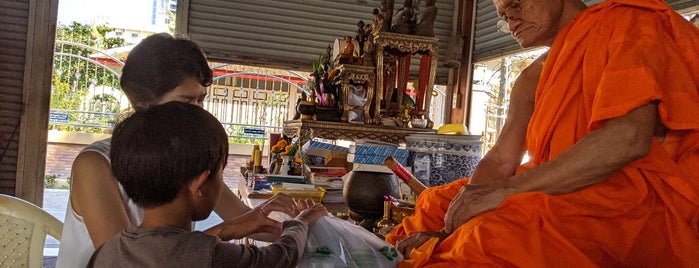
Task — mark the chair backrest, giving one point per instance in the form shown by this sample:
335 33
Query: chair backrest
23 230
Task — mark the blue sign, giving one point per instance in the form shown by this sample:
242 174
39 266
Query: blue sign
58 117
254 131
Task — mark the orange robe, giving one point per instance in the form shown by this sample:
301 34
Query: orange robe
610 59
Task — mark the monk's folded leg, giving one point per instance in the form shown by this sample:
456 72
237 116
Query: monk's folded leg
507 237
430 208
539 230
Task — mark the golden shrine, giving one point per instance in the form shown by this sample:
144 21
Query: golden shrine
368 79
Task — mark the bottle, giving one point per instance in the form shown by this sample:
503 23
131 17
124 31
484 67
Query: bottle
386 220
385 225
439 155
250 179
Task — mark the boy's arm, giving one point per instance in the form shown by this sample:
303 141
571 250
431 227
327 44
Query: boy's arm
253 221
284 252
231 208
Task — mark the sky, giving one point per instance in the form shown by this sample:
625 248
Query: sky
133 14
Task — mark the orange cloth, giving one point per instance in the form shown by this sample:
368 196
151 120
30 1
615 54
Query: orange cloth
604 63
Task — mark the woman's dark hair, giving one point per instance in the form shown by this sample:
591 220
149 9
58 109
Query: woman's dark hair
160 63
158 151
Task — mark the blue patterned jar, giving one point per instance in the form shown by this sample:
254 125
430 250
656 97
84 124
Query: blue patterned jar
440 159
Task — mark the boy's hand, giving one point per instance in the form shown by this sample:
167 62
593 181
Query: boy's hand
312 214
253 221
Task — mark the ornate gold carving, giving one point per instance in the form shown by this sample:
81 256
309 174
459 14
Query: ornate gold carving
400 45
308 129
359 75
407 43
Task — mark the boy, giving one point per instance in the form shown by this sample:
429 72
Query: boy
169 158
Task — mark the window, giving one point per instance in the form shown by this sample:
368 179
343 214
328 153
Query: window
492 82
134 35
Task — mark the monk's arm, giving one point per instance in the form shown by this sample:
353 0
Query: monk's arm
501 161
603 152
592 159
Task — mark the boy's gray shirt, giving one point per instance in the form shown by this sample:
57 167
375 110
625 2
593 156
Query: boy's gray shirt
174 247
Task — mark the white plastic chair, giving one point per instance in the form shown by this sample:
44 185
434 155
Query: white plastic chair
23 230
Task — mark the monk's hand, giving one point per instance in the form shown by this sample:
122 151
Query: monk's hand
474 199
415 240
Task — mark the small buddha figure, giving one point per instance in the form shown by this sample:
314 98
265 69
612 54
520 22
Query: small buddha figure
386 8
347 55
376 25
406 19
368 47
361 36
425 26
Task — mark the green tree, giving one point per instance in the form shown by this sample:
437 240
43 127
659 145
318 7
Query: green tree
77 69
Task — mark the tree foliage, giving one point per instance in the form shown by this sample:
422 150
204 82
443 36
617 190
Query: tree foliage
78 70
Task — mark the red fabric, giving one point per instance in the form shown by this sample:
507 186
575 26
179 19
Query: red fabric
603 64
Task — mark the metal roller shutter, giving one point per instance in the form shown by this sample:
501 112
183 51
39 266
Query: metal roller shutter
489 43
286 34
13 40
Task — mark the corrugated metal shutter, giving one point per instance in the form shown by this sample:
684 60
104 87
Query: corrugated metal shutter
683 4
489 43
287 34
13 39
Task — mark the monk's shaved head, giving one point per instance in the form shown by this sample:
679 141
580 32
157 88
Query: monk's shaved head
537 22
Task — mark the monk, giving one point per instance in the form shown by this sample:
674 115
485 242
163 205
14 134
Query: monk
611 125
347 55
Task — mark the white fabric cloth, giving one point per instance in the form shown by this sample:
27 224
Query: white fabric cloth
76 245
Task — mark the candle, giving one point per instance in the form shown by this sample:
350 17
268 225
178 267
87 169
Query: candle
255 148
257 158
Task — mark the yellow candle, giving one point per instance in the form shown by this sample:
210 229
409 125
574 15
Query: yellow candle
255 148
257 158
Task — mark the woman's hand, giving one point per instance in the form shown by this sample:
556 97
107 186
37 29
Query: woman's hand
281 203
474 199
302 204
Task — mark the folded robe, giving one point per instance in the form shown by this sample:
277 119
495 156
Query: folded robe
604 63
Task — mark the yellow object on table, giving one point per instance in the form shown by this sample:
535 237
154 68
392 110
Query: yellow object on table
300 191
453 129
257 158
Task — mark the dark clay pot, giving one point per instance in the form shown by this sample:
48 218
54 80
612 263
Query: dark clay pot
364 192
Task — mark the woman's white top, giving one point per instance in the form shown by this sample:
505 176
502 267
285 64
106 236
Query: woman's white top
76 245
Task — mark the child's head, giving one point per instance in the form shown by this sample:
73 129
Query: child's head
157 152
160 64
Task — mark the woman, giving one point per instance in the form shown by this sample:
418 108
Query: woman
158 70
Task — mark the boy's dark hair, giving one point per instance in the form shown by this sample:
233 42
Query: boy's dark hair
158 151
160 63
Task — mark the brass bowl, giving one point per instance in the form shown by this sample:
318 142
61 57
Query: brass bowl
400 212
307 109
418 123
